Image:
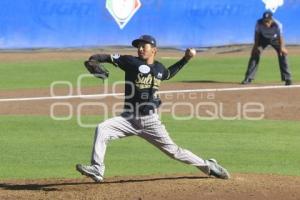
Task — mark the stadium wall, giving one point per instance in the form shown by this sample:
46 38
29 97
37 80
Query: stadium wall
88 23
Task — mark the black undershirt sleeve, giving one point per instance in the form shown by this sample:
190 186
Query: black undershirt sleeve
175 68
102 58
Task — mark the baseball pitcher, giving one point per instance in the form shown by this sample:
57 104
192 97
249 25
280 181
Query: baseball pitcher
143 76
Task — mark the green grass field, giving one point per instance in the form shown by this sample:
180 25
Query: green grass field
41 74
38 147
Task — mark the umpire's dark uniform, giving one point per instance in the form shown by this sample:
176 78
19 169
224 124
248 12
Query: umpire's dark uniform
268 31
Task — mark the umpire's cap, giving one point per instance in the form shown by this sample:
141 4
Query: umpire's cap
267 15
144 38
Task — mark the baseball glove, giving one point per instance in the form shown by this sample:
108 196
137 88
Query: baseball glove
97 69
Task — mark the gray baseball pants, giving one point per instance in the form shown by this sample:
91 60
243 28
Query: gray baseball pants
255 57
148 127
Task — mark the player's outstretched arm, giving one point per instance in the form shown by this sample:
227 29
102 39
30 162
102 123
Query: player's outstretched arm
175 68
101 58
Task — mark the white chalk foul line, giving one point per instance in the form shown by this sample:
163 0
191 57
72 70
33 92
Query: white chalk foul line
230 89
61 97
161 92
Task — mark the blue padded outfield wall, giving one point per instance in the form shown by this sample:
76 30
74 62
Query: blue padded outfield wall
175 23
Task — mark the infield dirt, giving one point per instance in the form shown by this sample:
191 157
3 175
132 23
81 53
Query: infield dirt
176 187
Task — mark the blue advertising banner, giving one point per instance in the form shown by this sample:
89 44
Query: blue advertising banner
90 23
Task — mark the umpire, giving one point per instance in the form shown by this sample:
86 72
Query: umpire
268 31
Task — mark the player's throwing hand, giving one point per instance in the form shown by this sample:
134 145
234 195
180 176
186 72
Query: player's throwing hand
190 53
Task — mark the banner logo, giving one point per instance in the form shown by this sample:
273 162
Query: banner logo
122 10
273 4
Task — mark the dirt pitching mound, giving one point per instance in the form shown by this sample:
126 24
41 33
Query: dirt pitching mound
173 187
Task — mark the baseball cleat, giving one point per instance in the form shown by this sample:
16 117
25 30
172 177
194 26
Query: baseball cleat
246 81
217 170
288 82
90 171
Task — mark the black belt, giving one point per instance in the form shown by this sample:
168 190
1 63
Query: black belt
146 112
139 113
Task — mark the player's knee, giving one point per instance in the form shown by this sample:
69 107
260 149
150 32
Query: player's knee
102 133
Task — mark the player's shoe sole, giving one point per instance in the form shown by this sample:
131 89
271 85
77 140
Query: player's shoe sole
89 171
217 170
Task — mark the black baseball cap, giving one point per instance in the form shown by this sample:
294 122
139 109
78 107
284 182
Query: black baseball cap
267 15
144 38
